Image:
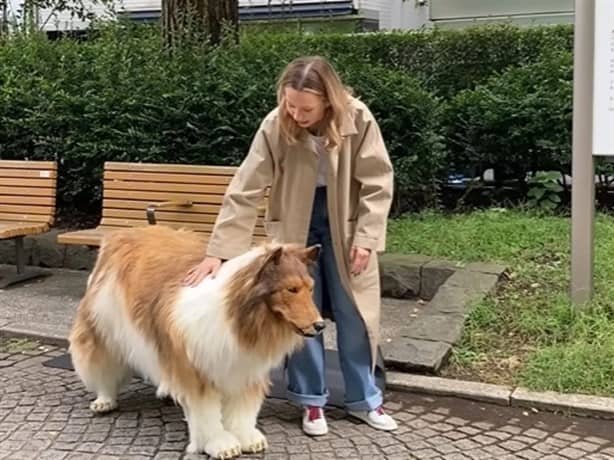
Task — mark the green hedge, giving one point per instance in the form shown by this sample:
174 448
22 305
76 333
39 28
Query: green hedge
120 96
446 61
516 122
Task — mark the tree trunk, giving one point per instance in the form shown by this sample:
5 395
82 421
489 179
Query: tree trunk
182 19
4 26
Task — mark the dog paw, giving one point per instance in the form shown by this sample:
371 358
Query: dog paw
252 441
193 448
223 446
103 405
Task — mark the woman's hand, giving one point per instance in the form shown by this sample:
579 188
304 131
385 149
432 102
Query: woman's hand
359 259
209 266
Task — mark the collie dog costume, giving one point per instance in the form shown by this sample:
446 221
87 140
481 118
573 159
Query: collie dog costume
209 347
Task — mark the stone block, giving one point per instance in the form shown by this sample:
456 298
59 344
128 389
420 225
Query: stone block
476 282
434 274
400 275
46 252
452 299
415 354
436 327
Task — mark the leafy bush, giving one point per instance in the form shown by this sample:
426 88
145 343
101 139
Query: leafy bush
120 96
516 122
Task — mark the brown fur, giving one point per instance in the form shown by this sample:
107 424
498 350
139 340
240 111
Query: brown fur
268 304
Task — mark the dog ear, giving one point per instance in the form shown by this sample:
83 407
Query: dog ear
311 254
272 256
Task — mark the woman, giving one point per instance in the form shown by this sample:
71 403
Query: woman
322 155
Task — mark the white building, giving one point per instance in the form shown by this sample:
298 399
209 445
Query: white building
381 14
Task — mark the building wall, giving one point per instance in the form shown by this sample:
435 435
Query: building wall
393 14
63 21
416 14
407 14
460 13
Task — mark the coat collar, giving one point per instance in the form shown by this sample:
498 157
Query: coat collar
348 127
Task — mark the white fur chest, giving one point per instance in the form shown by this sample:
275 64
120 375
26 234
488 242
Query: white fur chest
211 343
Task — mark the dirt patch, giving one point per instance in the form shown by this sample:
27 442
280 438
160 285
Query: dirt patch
76 220
499 366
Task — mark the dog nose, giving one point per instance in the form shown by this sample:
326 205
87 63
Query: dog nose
319 326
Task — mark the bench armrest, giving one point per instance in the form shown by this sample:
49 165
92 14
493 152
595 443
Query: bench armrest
152 207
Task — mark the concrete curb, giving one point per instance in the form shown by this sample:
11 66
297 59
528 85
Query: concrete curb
12 332
572 404
577 404
485 392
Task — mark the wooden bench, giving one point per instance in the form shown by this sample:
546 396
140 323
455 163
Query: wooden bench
27 207
180 196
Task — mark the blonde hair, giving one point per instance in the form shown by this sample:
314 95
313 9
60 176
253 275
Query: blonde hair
316 75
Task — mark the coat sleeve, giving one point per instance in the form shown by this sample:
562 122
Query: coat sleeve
234 226
373 170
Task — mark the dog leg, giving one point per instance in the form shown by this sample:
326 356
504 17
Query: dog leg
207 434
240 412
101 372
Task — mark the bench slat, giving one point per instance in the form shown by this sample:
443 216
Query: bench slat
194 189
34 200
164 216
161 215
12 191
25 209
142 206
46 182
27 164
198 227
93 237
154 197
167 177
171 168
25 217
90 237
13 229
27 173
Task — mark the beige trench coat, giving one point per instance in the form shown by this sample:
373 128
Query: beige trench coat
359 192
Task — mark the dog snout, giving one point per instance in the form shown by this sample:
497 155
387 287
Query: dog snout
319 326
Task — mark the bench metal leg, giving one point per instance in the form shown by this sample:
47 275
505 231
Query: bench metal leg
22 274
20 256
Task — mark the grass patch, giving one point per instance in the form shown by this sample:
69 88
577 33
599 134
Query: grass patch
17 345
527 333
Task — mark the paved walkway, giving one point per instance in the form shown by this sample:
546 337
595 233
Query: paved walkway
46 308
44 415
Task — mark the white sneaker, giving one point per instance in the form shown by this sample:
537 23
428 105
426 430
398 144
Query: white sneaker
376 418
314 423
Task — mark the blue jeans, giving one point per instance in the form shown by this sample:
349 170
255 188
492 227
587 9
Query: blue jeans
306 385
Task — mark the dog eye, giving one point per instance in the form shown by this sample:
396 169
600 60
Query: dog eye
293 290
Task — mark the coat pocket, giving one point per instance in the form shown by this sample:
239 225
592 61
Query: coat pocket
369 278
349 230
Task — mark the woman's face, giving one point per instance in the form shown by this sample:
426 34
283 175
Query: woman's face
305 107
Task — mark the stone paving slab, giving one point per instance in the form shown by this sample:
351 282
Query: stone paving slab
44 415
445 328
